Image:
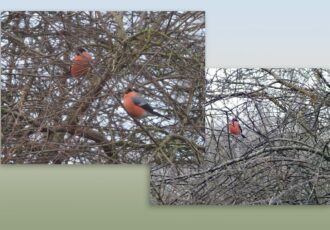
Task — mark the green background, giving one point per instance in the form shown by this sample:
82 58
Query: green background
116 197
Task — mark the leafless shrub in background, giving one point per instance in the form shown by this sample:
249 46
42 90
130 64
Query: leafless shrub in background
285 159
49 117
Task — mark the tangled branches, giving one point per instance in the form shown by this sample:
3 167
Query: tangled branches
50 117
285 158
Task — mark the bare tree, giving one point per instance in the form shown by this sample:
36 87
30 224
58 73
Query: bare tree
50 117
285 159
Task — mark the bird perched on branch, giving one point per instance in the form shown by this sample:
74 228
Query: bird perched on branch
235 128
137 106
82 63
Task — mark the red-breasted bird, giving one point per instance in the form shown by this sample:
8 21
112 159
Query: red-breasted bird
82 63
235 128
137 106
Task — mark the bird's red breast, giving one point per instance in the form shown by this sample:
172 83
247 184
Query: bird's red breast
131 108
234 128
81 64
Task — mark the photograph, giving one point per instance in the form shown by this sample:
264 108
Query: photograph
102 87
164 115
267 135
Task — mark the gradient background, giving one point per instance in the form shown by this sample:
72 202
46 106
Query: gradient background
254 33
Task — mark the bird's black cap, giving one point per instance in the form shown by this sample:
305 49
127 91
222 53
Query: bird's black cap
80 50
131 90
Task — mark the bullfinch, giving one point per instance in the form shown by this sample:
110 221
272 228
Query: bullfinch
235 128
137 106
81 63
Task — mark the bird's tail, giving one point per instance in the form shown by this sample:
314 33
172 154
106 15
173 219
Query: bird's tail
159 115
243 135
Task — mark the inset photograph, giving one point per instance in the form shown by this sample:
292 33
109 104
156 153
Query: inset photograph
267 142
102 87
